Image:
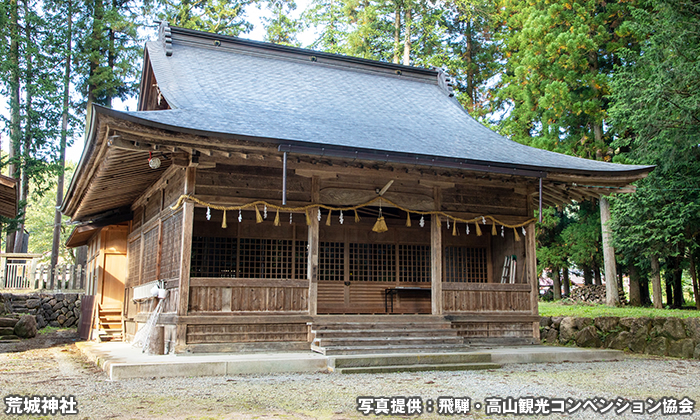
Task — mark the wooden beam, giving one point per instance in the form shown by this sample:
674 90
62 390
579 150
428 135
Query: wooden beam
621 180
433 184
120 142
321 174
162 182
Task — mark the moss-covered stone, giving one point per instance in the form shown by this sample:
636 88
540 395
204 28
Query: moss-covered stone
607 323
657 346
682 348
671 328
588 337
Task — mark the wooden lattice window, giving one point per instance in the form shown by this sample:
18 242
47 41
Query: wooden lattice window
248 258
213 257
150 255
331 262
466 265
265 258
372 262
301 259
414 263
170 253
134 255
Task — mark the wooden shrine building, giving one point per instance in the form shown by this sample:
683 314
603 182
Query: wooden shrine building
279 192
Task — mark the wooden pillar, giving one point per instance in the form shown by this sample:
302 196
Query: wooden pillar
185 256
612 297
312 265
531 267
436 257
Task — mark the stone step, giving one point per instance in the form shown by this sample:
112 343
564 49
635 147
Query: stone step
419 368
8 338
384 349
498 342
410 359
445 332
321 326
385 341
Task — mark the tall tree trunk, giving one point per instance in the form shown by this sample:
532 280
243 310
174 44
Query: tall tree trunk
97 22
111 54
566 282
597 280
397 33
28 130
587 275
644 290
14 149
678 299
556 279
468 58
55 247
656 282
593 66
635 289
620 283
694 277
668 274
612 296
408 22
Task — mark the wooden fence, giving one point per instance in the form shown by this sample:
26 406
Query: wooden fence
66 277
18 274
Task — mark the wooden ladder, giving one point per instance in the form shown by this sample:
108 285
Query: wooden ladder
509 265
110 324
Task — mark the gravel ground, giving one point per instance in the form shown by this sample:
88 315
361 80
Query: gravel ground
56 368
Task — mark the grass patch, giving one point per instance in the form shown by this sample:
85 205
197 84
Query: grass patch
49 329
595 311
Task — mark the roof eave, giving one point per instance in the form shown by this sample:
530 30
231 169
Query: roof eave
319 149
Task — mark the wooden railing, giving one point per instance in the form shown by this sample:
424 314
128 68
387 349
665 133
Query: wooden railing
65 277
29 275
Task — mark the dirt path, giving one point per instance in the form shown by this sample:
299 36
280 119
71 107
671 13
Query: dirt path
54 367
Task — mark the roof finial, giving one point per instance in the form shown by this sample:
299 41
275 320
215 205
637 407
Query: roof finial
445 82
166 38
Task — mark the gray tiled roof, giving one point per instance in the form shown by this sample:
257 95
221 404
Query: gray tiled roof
255 92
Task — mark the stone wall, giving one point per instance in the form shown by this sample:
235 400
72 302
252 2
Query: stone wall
57 310
673 337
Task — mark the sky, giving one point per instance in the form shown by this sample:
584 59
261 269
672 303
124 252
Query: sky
255 16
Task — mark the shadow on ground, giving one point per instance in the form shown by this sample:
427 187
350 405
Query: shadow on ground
41 341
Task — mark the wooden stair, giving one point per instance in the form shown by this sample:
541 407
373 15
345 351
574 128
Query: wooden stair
373 334
110 324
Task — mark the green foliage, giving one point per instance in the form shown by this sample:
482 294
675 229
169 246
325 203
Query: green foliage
473 56
552 249
40 221
108 49
595 311
282 29
217 16
583 237
560 56
656 110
